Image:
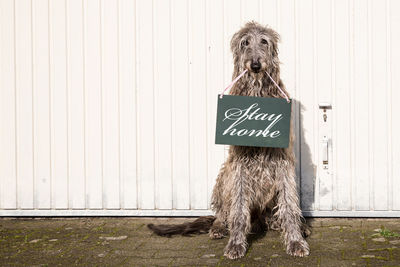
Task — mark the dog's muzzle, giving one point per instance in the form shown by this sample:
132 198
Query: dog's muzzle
255 66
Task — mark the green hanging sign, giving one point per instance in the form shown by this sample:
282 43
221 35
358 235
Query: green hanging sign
253 121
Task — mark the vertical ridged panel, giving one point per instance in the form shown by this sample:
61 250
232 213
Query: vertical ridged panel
58 104
128 103
93 105
395 82
24 120
163 109
8 175
198 104
76 102
389 107
110 102
215 84
180 104
361 105
41 103
145 96
341 105
379 114
394 17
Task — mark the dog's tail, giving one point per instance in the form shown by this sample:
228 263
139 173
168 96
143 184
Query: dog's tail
199 226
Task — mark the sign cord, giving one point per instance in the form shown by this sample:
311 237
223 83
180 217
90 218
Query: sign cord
240 76
233 82
287 98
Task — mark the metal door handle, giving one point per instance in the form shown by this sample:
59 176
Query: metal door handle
325 143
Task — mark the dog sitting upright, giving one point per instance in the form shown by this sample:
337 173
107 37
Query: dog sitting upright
256 186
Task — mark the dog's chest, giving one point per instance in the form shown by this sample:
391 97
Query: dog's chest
262 191
263 182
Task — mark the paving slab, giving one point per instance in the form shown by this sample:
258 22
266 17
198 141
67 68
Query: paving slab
128 242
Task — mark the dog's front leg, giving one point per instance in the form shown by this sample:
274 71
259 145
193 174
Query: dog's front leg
239 219
218 205
289 212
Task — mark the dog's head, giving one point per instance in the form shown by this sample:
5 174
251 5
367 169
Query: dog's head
255 48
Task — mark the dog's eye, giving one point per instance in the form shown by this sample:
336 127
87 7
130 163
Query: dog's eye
244 43
263 41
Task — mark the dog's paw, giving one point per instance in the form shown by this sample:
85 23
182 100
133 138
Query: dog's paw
234 251
217 232
298 248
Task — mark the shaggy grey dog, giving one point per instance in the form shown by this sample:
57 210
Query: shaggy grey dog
256 186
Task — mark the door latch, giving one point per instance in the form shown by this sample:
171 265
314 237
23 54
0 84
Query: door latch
324 106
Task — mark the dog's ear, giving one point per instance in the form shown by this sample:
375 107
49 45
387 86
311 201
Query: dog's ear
273 35
275 49
275 38
235 41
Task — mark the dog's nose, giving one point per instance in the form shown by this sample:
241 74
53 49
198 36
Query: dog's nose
255 66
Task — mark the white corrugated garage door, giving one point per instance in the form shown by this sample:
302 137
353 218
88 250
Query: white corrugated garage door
108 107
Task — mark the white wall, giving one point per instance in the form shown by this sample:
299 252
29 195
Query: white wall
108 107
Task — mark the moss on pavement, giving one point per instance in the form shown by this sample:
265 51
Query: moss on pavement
127 242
